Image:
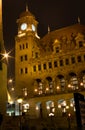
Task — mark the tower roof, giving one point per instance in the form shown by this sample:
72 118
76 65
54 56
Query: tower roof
26 13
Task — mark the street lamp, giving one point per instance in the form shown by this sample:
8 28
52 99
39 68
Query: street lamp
69 120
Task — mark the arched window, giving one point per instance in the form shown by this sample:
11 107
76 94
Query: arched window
49 85
39 87
50 107
73 81
39 109
62 82
62 105
72 103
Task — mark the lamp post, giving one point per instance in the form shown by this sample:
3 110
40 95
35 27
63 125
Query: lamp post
69 120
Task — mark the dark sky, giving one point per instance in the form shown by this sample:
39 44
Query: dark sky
55 13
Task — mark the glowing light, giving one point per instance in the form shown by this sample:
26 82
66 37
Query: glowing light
37 108
6 55
81 84
47 89
69 114
10 81
51 114
69 85
57 87
59 106
12 88
48 107
20 100
21 35
35 90
67 107
71 104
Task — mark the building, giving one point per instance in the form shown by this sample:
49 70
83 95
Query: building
3 69
48 70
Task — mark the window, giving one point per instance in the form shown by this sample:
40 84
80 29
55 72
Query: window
20 47
67 61
44 66
34 68
21 58
36 55
79 58
74 83
62 83
40 88
23 46
25 57
57 49
39 67
80 44
50 65
61 62
26 70
84 57
55 63
25 93
26 45
73 60
21 71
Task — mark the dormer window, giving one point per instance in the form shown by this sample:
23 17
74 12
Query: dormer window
57 49
36 55
80 44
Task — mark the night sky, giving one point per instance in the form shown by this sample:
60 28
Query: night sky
55 13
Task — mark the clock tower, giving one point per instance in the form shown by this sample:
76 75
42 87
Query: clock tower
25 47
27 23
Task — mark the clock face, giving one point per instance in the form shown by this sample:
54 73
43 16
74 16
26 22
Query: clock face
33 27
24 26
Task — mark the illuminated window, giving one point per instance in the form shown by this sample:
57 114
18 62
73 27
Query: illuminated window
50 107
84 81
62 104
74 83
25 92
40 88
62 84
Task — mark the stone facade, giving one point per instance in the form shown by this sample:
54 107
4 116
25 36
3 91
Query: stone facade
49 70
